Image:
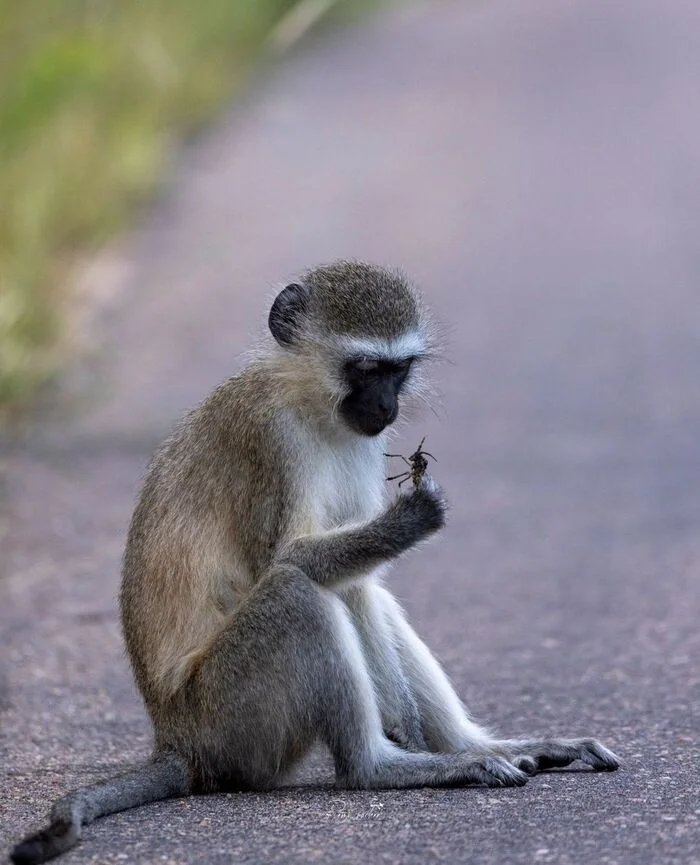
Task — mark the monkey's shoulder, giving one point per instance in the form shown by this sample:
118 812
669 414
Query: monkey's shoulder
234 428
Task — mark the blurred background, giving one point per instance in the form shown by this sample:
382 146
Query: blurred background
94 95
534 165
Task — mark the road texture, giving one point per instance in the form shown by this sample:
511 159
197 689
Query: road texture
534 165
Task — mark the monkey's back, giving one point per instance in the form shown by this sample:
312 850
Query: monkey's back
194 546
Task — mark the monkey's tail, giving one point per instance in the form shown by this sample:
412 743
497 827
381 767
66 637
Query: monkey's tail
166 776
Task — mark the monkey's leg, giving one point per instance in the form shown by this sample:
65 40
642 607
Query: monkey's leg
445 722
448 727
364 757
397 703
290 668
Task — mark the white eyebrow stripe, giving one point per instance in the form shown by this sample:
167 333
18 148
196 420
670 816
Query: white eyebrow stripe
406 345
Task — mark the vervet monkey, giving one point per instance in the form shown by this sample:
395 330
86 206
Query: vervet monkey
252 601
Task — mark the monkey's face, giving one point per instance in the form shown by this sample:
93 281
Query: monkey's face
350 334
373 401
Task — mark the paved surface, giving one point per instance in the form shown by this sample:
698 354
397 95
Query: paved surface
535 166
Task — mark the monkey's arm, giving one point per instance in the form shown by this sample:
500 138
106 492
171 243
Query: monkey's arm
344 554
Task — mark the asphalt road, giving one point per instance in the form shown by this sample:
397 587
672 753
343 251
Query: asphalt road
535 166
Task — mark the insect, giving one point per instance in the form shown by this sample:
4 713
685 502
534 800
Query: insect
417 465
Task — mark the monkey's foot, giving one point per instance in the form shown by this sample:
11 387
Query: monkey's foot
497 772
538 756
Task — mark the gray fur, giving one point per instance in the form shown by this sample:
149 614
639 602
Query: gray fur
343 293
252 601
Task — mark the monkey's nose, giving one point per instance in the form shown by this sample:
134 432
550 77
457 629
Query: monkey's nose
386 402
388 411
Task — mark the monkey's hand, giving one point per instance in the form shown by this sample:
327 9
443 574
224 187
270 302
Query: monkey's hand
421 512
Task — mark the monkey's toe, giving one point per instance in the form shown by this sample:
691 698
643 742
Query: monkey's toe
598 756
499 772
526 764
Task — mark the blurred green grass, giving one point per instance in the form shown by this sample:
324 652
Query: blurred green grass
92 93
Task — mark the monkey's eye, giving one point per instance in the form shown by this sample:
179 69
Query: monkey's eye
401 368
404 365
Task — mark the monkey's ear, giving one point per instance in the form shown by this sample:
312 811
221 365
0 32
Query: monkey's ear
287 313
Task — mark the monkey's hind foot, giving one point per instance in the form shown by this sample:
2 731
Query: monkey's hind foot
538 756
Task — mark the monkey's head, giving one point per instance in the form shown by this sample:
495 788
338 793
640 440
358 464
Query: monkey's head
355 334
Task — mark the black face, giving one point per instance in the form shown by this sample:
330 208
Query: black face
373 401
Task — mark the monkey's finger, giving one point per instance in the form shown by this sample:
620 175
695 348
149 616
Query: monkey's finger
429 485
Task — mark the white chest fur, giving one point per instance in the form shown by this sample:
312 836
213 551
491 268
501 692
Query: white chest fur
348 482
